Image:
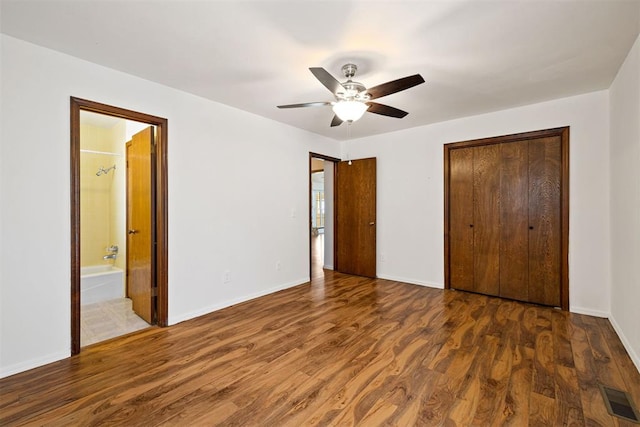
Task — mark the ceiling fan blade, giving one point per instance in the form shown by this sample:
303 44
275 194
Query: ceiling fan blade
337 121
306 104
395 86
327 79
385 110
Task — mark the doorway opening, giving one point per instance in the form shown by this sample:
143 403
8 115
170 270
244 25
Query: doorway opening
118 222
321 214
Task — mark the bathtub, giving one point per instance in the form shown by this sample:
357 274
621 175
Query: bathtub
100 283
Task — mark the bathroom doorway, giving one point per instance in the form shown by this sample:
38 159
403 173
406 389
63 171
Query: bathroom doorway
118 205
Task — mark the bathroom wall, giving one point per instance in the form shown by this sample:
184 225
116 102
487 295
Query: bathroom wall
95 194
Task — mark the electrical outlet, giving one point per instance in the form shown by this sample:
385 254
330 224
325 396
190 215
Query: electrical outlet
278 266
226 277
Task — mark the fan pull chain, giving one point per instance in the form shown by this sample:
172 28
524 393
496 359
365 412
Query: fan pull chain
348 139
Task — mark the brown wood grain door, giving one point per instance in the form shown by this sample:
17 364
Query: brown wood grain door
520 216
355 228
514 218
545 220
486 219
461 219
139 224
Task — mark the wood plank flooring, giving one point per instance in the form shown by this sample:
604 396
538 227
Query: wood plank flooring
342 350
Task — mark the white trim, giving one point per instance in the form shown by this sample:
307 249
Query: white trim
589 312
327 267
625 342
411 281
215 307
6 371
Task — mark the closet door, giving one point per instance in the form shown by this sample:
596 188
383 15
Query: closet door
486 219
514 221
545 209
507 226
461 219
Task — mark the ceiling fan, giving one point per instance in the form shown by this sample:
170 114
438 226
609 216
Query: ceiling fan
353 98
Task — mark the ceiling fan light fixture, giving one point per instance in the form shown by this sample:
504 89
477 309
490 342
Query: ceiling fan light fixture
349 111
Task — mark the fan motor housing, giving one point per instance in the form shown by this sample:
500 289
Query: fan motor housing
354 91
349 70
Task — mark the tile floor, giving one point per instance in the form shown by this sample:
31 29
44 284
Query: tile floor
108 319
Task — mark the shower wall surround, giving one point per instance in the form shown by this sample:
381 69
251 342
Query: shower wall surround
102 192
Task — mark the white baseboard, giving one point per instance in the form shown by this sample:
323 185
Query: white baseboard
589 312
328 267
219 306
6 371
411 281
625 342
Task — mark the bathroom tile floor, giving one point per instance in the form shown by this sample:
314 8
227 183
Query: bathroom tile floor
108 319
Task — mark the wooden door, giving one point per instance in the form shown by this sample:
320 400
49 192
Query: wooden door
139 223
486 219
520 216
514 221
545 220
355 228
461 219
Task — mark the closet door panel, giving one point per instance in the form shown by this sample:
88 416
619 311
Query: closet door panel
486 225
461 219
514 221
545 221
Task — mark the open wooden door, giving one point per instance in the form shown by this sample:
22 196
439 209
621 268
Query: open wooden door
139 223
355 228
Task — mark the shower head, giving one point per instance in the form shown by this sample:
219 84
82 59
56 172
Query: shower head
103 171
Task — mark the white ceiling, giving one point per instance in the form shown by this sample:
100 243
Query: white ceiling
476 56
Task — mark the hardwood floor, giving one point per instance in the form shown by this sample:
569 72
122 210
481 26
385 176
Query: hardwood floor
344 350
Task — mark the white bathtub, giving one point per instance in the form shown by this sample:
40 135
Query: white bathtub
100 283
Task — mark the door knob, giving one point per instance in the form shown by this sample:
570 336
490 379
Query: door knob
372 223
133 231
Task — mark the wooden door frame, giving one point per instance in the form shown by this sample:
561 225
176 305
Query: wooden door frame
159 220
563 134
334 161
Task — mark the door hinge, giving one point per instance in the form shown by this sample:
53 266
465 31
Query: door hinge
154 292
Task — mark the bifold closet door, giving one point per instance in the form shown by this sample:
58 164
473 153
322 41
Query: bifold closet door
545 244
474 218
461 219
486 219
506 216
530 245
514 221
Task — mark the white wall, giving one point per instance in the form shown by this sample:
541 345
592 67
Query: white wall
410 192
216 155
625 202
